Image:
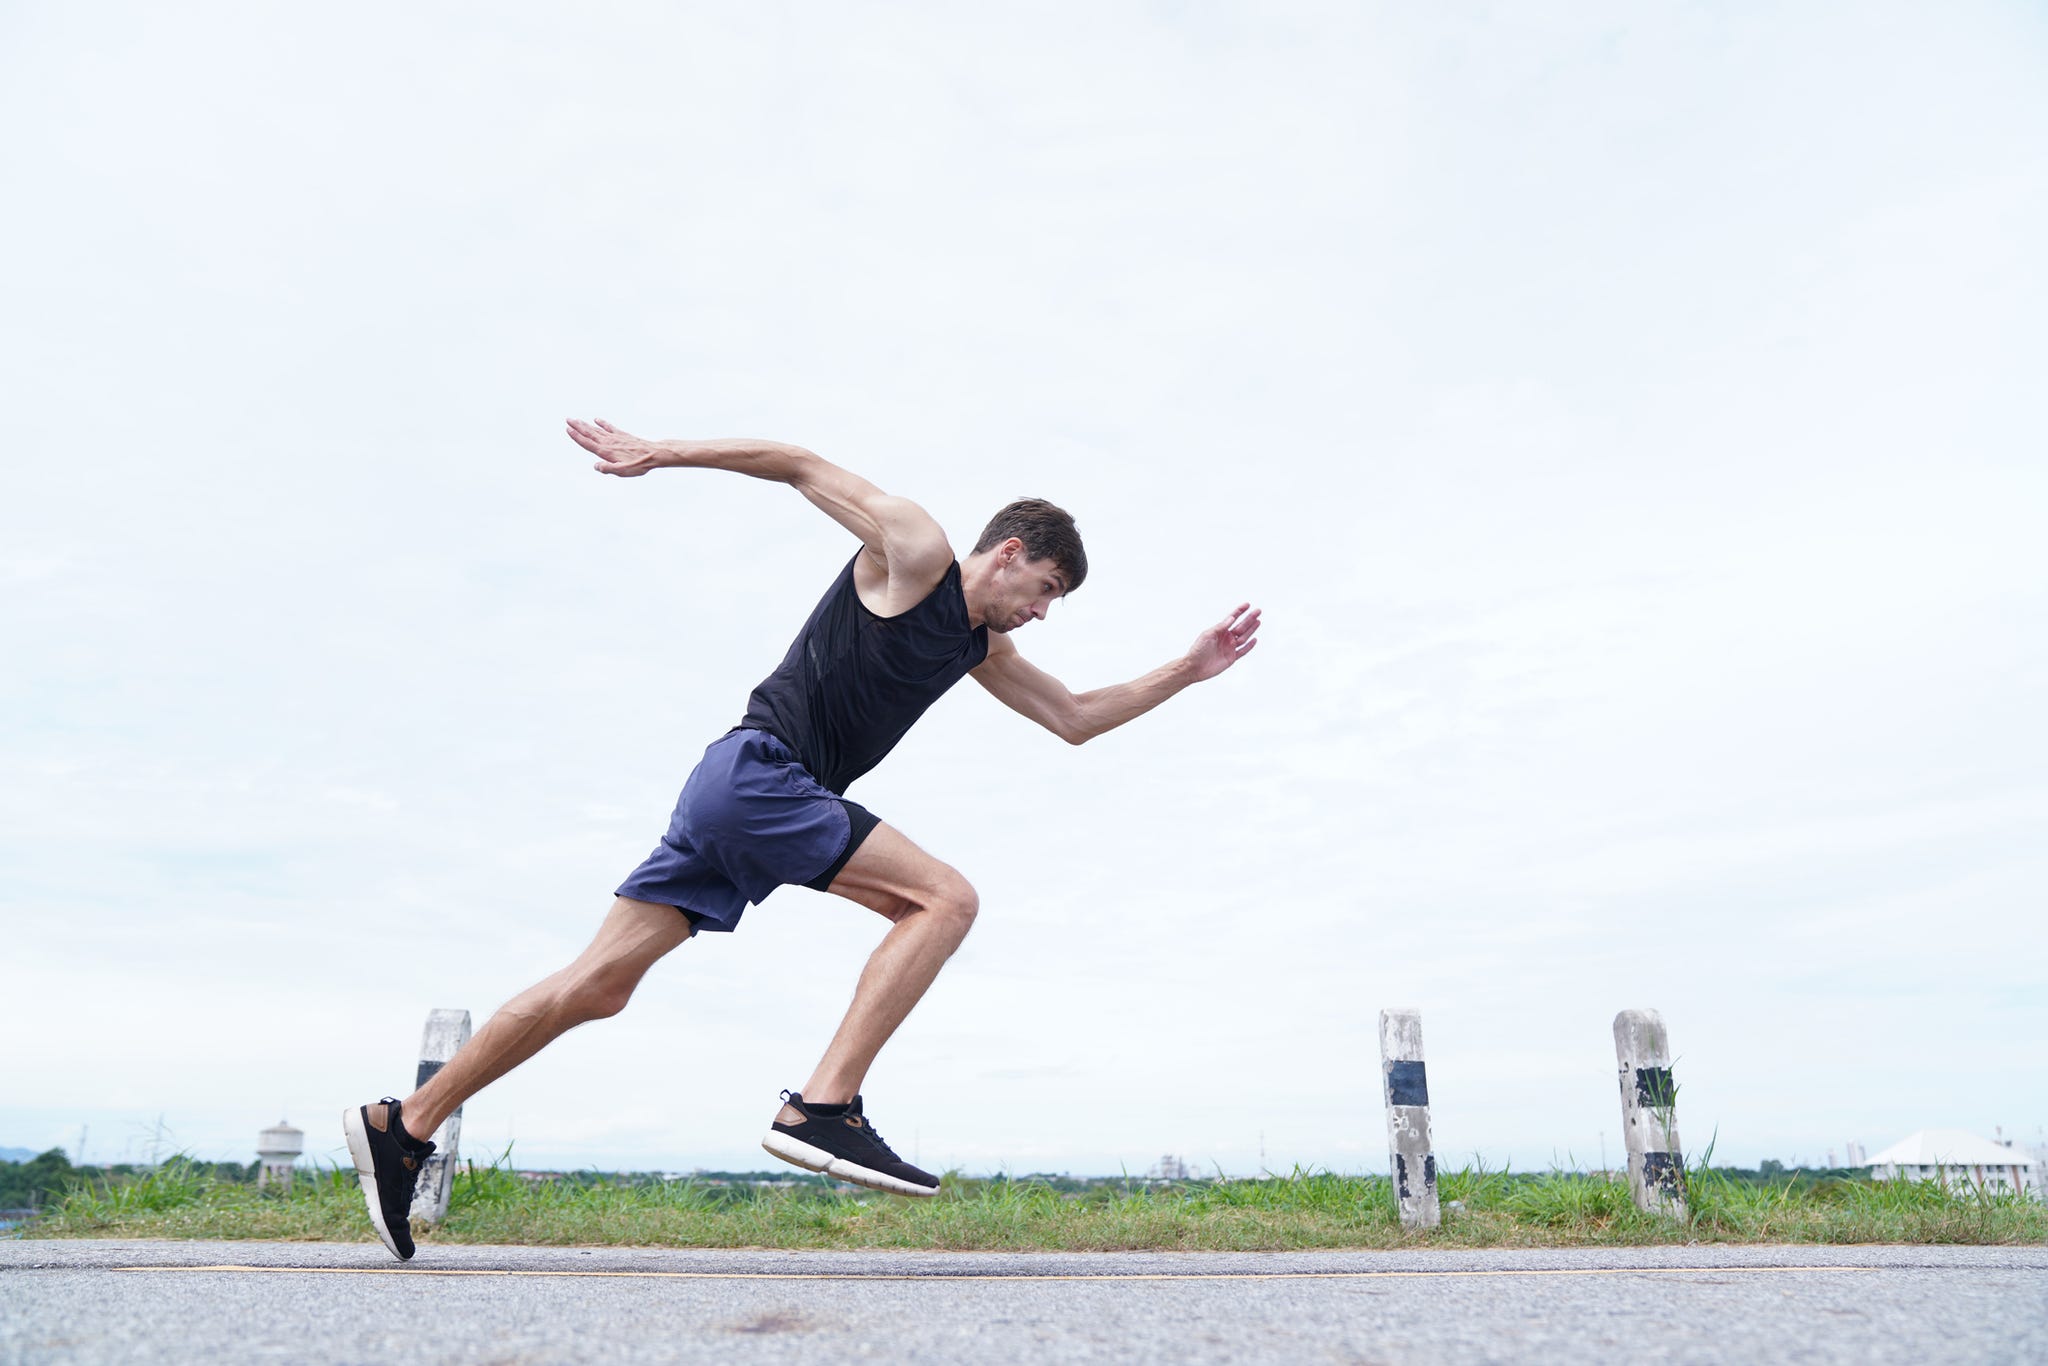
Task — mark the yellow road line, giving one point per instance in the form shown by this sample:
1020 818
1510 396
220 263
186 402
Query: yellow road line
1010 1276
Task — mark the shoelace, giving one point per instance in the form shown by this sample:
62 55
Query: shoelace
855 1111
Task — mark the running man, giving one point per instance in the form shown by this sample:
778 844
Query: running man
903 622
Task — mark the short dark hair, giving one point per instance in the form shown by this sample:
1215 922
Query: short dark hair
1048 533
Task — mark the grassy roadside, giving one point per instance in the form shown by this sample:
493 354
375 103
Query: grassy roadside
1302 1211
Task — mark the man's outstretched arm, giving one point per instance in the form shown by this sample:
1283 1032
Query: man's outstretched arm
1079 717
902 535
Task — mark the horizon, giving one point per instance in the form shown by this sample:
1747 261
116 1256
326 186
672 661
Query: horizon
2037 1146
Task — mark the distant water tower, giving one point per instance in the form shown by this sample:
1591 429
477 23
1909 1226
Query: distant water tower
279 1146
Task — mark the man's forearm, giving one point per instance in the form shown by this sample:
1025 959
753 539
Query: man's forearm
1105 709
773 460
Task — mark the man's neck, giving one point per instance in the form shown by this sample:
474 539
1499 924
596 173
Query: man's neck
975 572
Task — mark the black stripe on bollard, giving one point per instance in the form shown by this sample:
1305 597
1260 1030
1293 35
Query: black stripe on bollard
428 1067
1660 1170
1656 1088
1407 1083
1401 1174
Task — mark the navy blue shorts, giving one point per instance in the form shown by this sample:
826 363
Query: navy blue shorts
751 818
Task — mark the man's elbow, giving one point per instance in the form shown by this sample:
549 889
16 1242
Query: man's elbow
1074 727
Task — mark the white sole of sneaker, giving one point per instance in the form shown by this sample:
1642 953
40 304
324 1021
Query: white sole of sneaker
366 1174
799 1153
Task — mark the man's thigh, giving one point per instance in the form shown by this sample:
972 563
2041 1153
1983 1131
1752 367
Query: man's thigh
891 875
634 936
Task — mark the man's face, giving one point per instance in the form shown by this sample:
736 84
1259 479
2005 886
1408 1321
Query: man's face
1024 589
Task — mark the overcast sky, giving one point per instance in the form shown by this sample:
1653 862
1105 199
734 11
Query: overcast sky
1629 419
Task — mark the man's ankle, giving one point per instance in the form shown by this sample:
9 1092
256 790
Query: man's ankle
790 1114
825 1100
391 1119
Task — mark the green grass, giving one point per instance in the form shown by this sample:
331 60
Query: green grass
1305 1210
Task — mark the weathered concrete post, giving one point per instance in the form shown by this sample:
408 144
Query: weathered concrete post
1649 1112
1406 1089
447 1030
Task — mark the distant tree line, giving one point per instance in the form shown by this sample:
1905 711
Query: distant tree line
34 1183
1775 1173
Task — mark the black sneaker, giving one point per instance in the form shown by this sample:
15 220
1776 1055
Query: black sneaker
388 1163
838 1141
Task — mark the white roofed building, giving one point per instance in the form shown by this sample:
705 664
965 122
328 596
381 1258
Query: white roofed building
1957 1157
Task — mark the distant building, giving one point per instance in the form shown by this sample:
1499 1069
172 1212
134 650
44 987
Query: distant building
277 1148
1958 1157
1856 1156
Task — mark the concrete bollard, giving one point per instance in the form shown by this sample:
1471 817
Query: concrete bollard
447 1030
1406 1089
1649 1112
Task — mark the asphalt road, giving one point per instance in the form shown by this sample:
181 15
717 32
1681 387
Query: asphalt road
316 1302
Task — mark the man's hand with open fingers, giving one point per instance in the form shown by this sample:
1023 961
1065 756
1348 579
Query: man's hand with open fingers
617 452
1228 641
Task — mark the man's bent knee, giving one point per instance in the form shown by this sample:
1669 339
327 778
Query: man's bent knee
601 1003
597 996
956 902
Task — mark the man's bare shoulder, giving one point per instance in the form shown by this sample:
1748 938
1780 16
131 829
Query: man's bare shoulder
912 538
912 558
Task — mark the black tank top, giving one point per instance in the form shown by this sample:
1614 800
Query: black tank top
854 683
